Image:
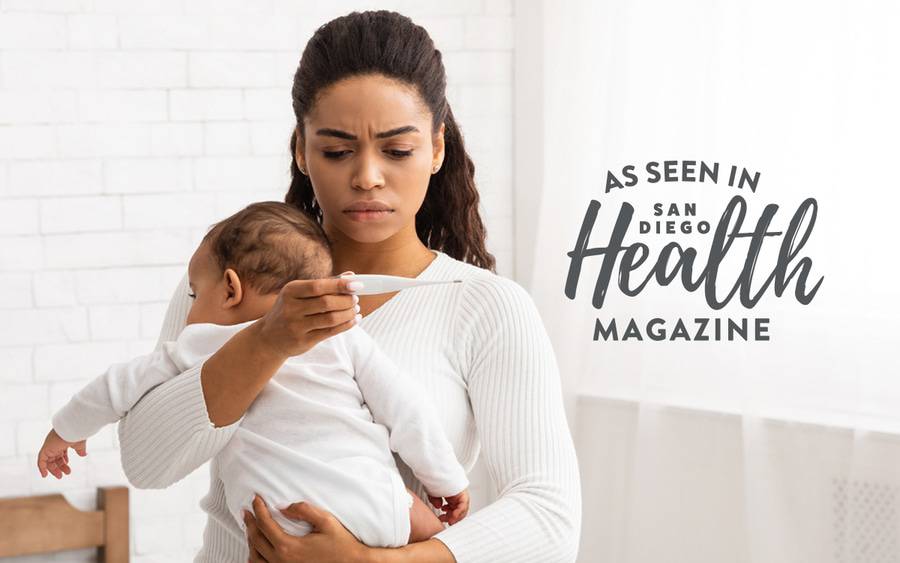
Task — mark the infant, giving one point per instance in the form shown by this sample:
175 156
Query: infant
323 428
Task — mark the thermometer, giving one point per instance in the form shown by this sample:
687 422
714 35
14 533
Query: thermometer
375 283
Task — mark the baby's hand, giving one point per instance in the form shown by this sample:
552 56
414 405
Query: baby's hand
54 454
456 508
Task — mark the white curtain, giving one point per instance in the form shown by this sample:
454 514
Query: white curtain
773 451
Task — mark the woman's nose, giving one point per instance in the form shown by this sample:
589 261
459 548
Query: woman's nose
368 173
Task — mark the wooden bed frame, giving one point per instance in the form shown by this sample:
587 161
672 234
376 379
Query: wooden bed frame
42 524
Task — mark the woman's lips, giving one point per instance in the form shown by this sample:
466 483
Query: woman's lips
368 210
368 215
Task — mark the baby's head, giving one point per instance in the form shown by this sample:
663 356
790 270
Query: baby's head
244 261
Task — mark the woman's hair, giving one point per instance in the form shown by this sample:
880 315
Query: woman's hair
390 44
270 243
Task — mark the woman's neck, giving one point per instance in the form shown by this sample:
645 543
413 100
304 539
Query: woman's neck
401 255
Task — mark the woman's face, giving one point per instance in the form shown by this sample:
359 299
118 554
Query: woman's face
369 151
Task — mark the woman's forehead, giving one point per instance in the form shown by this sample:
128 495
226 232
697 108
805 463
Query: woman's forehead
368 105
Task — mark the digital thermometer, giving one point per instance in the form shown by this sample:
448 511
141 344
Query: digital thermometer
375 283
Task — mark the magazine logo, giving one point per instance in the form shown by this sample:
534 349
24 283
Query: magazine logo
637 264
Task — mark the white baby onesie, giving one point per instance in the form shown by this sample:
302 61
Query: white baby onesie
322 430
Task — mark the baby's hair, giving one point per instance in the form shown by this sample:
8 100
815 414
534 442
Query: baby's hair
270 243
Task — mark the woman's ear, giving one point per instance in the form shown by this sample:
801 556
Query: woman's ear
299 150
438 156
233 291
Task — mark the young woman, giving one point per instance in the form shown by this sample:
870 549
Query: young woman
379 160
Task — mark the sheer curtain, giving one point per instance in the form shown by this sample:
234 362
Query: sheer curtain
764 451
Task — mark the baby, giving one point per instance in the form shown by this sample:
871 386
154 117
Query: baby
323 428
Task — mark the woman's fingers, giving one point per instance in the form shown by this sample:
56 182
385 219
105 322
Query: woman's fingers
305 313
269 528
323 333
329 319
302 289
326 303
311 514
255 556
257 541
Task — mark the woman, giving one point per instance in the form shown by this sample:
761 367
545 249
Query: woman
379 161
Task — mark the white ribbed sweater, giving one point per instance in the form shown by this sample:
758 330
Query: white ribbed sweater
481 352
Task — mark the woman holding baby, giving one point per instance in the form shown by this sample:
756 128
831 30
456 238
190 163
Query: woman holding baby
379 162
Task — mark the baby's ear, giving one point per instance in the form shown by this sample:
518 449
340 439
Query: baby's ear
234 292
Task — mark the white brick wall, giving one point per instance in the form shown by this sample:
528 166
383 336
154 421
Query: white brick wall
126 128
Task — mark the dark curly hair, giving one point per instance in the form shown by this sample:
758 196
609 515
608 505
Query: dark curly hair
390 44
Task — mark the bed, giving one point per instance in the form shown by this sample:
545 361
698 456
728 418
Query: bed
48 523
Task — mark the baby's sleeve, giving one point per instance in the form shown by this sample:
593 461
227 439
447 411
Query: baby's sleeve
168 433
112 394
398 402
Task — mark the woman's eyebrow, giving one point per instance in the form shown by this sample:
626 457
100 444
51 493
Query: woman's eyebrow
328 132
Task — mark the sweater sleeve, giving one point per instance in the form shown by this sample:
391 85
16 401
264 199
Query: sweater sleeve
516 397
168 433
398 402
110 395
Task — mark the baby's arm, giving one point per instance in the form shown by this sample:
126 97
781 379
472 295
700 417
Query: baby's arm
104 400
398 402
168 434
108 397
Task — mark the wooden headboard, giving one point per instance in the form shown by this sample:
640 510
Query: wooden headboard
43 524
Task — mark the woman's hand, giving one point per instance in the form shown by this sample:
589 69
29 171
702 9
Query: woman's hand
307 312
328 541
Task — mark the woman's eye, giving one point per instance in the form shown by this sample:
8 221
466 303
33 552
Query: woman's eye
395 153
192 295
